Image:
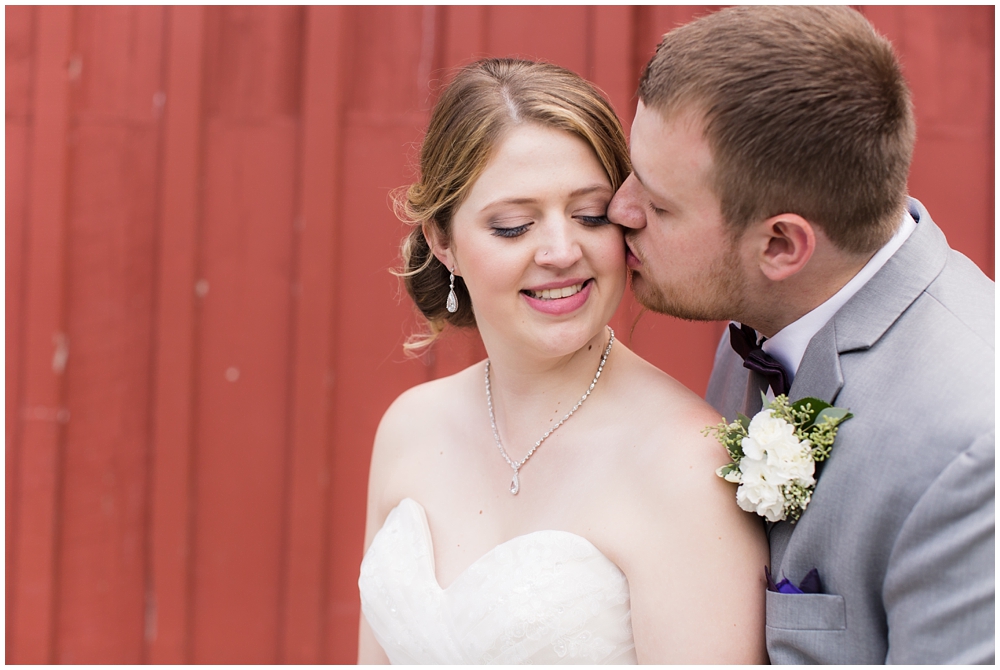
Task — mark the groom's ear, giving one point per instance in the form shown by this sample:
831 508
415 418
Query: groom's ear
786 242
439 244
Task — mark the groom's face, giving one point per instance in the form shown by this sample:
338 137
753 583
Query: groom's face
684 259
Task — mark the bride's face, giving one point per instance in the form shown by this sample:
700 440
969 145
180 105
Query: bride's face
544 267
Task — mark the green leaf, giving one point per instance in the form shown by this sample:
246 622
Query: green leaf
838 414
744 421
726 469
816 404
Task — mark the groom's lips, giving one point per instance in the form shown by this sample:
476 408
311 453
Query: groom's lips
631 259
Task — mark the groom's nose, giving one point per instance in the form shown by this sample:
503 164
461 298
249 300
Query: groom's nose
626 207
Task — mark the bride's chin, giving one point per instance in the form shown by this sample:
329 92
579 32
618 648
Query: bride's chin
566 342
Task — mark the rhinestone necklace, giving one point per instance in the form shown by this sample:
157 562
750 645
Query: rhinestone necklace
515 485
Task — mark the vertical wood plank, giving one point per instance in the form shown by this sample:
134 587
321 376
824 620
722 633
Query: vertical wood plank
110 293
19 34
243 379
168 608
306 546
45 347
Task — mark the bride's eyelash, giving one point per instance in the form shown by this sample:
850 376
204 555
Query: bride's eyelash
595 220
515 231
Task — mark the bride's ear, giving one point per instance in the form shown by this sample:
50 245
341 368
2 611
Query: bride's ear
439 245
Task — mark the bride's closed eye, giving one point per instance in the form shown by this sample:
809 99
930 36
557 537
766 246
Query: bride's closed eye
514 231
594 221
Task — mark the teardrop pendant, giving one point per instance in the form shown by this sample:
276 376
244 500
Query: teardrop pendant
451 304
515 485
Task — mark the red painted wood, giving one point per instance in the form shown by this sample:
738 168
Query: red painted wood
20 38
511 33
199 197
242 372
464 35
101 569
34 598
305 544
167 634
947 58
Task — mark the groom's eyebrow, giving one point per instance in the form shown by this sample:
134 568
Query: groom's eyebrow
639 178
651 192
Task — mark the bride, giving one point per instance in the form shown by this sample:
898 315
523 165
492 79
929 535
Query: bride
556 503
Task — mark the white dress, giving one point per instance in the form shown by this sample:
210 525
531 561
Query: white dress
545 597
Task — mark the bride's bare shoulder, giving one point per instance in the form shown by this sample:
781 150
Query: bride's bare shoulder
658 401
673 463
666 422
426 408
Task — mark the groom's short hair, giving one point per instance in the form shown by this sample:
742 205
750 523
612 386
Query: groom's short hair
806 111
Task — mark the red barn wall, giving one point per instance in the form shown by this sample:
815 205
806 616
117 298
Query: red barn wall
201 330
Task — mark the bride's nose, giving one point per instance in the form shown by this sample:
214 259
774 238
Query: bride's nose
558 248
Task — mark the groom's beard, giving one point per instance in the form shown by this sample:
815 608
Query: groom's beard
715 293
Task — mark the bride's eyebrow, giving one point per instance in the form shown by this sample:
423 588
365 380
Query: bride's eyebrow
586 190
509 201
595 188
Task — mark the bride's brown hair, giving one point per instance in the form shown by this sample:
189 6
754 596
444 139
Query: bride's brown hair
484 101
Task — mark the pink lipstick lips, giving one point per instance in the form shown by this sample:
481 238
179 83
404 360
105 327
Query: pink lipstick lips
559 298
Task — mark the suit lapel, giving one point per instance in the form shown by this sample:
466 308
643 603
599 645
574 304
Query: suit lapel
866 317
819 375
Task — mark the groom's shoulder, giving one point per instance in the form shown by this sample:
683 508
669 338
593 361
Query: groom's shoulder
946 337
967 297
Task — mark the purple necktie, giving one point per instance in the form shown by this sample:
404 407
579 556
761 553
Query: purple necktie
744 342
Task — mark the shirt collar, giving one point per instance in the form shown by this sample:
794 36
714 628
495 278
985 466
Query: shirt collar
789 344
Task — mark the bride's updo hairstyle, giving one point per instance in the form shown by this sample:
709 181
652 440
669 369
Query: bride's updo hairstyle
470 120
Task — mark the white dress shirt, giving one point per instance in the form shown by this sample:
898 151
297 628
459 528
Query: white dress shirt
789 344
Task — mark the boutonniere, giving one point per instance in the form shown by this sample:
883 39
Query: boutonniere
774 454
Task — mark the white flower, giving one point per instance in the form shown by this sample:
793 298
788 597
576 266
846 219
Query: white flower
773 440
772 457
759 491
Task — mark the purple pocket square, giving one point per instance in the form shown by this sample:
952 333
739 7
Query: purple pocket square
809 584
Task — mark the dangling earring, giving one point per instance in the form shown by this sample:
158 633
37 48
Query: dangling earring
452 303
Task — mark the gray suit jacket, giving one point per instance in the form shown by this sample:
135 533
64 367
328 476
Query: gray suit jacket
901 524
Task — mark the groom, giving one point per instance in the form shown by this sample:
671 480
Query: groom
771 147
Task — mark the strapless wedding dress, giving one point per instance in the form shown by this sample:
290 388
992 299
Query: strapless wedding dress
544 597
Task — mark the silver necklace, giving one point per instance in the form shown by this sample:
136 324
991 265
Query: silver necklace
515 485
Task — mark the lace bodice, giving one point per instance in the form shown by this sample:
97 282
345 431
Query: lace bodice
545 597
